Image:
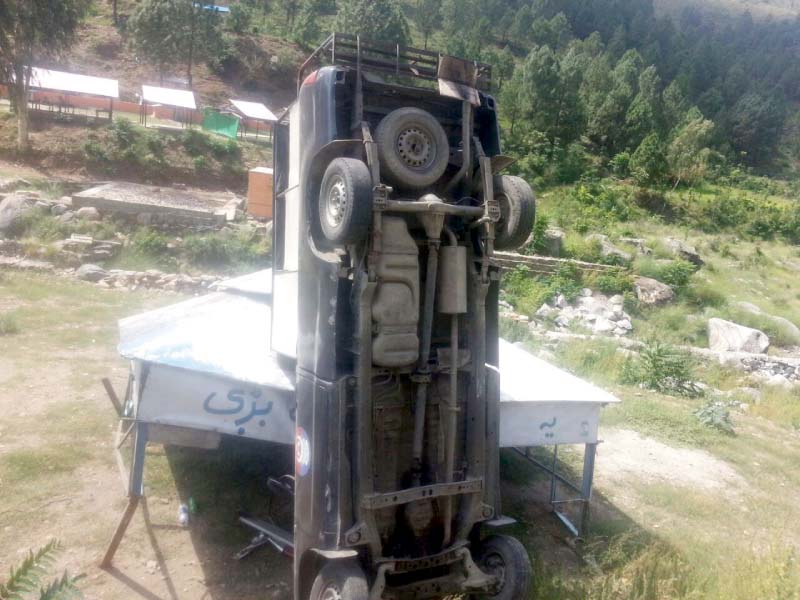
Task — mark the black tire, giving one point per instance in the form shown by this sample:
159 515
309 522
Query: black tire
505 557
412 147
345 201
517 211
340 580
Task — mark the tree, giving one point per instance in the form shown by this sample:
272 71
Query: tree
427 17
306 27
756 121
648 163
168 32
644 113
376 19
688 154
30 31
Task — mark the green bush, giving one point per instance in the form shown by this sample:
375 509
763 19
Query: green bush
675 273
196 143
620 164
123 134
613 281
716 415
149 241
661 368
226 248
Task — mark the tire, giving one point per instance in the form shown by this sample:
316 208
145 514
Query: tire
517 211
506 557
412 147
340 580
345 201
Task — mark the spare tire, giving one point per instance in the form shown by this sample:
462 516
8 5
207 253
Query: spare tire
517 211
412 147
345 201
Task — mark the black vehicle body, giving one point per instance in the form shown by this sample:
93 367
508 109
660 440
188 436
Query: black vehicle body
364 495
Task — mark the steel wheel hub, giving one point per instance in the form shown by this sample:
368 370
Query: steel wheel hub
415 147
337 202
493 564
331 592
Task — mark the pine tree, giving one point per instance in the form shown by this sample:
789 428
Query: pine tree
381 20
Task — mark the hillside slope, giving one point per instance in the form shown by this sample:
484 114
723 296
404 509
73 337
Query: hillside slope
759 9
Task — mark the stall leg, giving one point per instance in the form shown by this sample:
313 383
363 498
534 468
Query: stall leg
135 492
586 485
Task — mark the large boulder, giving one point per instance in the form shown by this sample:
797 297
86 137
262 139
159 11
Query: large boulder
89 272
652 292
88 213
554 241
683 250
726 336
609 250
12 209
787 328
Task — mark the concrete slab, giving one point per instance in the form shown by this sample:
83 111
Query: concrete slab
157 205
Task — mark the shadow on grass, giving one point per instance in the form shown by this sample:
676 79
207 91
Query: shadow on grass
231 481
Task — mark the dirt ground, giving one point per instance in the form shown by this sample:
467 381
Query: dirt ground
59 478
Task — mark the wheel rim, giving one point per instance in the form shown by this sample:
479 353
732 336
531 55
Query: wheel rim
505 209
331 592
336 202
493 564
415 147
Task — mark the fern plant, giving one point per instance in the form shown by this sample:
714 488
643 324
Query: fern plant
25 580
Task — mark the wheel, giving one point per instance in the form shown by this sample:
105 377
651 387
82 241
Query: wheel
517 211
412 147
345 201
340 580
506 558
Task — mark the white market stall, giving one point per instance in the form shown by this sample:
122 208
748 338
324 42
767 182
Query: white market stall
182 102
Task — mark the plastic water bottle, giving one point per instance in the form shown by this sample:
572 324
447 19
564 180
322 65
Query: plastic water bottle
183 515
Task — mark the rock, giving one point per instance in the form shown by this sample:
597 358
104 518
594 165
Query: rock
12 209
554 241
563 321
546 311
66 216
607 249
561 301
638 243
586 293
625 324
684 251
778 381
617 299
89 213
726 336
66 200
9 185
652 292
90 272
42 205
59 209
603 325
789 329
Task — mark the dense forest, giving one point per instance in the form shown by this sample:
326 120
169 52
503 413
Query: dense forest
659 98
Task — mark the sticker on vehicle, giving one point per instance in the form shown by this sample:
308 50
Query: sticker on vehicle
302 453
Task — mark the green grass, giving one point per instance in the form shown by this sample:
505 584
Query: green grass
9 324
28 465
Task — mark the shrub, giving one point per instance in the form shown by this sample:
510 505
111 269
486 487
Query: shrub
661 368
614 281
196 143
703 294
123 134
200 163
539 243
149 241
620 164
226 248
716 415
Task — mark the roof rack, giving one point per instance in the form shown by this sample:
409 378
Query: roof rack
368 55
